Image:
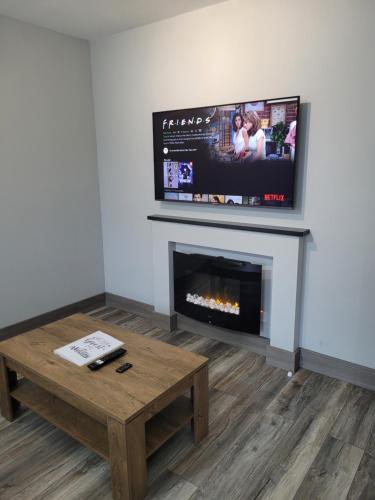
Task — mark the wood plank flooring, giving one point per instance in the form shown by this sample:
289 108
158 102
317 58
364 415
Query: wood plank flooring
271 437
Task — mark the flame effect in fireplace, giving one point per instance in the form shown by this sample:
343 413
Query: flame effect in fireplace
214 303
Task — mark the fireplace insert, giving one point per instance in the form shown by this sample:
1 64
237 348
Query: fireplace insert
219 291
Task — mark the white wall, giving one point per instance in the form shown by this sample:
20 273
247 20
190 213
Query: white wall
50 235
243 50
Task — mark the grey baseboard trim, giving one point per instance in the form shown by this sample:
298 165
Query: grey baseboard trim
288 360
164 321
338 368
133 306
246 341
291 361
48 317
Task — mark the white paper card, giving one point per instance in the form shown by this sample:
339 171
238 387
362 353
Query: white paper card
87 349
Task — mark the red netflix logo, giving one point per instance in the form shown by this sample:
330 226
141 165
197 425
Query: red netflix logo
274 197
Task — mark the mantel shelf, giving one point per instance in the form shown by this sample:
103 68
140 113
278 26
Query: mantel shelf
239 226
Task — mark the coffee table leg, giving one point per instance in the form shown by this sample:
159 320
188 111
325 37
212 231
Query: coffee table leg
6 403
200 404
127 450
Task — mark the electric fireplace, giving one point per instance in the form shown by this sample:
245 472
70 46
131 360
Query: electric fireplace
219 291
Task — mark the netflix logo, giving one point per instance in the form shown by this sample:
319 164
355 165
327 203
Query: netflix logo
274 197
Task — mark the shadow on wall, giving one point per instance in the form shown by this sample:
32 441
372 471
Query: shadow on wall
300 181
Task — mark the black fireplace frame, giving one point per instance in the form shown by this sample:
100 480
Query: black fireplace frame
250 281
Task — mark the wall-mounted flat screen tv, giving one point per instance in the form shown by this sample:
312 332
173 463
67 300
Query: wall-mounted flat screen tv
235 154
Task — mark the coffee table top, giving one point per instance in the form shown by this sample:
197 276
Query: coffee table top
158 368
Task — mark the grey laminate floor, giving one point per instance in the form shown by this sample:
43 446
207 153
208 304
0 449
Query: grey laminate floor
309 437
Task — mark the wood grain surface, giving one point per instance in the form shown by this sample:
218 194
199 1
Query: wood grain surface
157 367
310 436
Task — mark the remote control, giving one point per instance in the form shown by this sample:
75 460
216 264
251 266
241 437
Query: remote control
123 368
106 359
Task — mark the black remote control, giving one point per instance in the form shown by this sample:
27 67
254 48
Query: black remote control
123 368
106 359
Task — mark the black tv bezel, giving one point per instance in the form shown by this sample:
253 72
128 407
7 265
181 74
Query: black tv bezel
210 204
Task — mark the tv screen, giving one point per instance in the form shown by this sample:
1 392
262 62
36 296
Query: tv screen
235 154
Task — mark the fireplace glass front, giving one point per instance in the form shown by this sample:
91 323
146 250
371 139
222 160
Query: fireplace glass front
218 291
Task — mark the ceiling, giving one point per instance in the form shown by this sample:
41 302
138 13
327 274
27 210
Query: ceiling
94 18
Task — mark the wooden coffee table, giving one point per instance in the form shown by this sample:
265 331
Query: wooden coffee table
122 417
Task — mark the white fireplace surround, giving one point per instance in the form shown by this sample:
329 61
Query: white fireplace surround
286 252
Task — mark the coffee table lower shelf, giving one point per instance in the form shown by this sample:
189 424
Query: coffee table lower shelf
92 433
